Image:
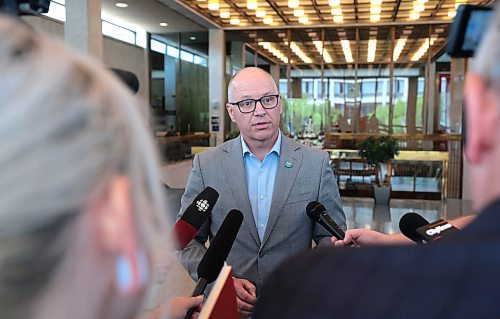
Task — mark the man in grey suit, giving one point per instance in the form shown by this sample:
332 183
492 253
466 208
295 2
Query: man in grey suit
267 176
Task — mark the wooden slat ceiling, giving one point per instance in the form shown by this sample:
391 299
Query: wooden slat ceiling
358 26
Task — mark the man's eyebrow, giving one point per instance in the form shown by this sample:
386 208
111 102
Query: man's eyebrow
245 97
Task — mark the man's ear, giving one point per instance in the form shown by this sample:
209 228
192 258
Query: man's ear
230 111
482 118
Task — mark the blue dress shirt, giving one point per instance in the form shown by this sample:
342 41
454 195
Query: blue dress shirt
260 178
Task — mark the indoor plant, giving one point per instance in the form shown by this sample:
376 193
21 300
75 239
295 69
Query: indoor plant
378 150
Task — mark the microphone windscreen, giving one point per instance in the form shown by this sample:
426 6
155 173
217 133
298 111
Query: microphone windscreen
197 213
194 217
409 223
314 209
127 77
213 260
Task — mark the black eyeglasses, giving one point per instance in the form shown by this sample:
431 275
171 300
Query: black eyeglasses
249 105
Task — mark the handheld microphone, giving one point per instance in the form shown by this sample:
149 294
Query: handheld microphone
436 230
317 212
409 223
194 217
213 260
128 78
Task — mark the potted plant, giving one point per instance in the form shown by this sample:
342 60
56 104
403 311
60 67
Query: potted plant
378 150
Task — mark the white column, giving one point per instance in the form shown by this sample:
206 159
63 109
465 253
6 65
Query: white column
216 84
83 26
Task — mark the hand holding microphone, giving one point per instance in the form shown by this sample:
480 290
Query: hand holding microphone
317 212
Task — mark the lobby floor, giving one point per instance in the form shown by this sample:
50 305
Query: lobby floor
363 213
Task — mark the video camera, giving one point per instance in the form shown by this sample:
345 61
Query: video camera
467 30
24 7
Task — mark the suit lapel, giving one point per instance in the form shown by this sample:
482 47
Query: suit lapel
283 184
235 175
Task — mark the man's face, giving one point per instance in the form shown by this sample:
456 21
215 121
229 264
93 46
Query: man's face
261 124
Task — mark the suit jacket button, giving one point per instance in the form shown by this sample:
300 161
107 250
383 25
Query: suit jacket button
261 254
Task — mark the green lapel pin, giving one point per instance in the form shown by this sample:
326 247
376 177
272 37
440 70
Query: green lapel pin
288 164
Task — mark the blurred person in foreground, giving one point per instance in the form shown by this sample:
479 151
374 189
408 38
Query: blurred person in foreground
454 278
81 207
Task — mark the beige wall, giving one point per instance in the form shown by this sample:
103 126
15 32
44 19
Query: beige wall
116 54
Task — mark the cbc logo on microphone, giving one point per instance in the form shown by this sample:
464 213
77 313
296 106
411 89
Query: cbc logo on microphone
202 205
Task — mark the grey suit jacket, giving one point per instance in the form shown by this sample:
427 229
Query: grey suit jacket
288 231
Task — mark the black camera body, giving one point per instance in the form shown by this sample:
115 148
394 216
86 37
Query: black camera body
24 7
467 30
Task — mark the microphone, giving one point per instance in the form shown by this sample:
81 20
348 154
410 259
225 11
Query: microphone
128 78
409 223
436 230
317 212
213 260
194 217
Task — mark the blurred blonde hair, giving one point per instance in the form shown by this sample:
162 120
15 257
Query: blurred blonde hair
67 126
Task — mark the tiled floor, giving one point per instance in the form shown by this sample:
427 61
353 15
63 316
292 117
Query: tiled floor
363 213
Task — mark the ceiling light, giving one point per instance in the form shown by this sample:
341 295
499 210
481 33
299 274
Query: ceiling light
346 48
334 3
260 13
298 12
234 21
375 10
268 20
192 38
338 19
121 4
163 24
422 1
336 11
400 44
225 14
213 5
303 19
406 32
452 13
375 17
418 7
252 4
282 34
312 34
414 15
293 3
372 48
376 2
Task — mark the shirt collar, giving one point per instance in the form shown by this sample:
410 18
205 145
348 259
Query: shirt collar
276 147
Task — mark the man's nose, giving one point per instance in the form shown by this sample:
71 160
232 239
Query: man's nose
259 109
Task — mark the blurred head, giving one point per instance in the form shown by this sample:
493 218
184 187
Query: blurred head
262 124
482 97
80 200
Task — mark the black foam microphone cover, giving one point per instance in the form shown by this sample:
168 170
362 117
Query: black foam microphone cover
213 260
409 223
196 214
127 77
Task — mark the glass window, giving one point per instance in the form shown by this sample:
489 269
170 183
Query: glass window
173 52
158 46
57 11
186 56
200 60
117 32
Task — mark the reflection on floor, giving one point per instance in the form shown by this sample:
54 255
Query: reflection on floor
363 213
